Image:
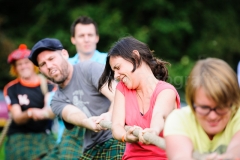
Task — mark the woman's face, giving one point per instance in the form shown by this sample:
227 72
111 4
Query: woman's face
212 123
24 68
122 71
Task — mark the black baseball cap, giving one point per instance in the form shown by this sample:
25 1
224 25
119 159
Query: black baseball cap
42 45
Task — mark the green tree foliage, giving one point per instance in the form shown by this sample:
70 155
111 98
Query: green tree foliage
178 31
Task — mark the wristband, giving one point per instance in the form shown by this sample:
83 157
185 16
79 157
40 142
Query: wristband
29 112
123 140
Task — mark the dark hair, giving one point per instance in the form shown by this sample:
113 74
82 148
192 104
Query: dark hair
124 48
82 20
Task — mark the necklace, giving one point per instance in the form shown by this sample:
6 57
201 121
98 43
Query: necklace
140 104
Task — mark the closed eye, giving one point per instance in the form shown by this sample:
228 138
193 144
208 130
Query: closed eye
204 107
42 64
116 68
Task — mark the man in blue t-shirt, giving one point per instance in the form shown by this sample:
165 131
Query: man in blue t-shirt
84 35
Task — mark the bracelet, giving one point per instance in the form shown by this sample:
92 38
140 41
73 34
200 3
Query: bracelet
123 140
29 112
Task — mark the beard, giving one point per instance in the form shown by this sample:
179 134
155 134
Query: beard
63 74
58 81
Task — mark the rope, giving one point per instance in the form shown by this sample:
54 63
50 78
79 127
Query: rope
5 130
152 138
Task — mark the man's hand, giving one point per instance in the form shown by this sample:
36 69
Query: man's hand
92 123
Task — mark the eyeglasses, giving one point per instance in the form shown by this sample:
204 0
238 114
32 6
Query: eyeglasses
205 110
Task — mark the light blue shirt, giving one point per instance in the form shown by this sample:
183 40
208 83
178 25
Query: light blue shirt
97 57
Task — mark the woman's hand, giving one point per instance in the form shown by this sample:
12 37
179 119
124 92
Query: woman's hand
142 132
129 137
216 156
37 114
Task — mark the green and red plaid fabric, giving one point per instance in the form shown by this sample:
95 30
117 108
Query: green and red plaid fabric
28 146
71 146
110 150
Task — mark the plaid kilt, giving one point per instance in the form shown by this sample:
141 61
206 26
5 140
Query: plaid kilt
108 150
28 146
70 147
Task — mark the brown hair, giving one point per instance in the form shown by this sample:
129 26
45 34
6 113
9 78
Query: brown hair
218 80
83 20
124 48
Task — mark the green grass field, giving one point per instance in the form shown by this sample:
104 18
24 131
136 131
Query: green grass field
2 155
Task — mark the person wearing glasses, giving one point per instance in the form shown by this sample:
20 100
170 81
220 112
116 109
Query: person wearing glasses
210 124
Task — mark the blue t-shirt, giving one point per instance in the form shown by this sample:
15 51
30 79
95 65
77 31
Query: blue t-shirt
97 57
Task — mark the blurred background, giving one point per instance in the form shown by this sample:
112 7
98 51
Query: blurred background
180 32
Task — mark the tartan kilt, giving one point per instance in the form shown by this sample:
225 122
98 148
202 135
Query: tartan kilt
111 150
70 147
28 146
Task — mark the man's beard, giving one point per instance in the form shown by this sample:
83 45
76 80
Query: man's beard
58 81
64 75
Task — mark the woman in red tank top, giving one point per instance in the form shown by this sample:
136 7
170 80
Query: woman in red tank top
142 99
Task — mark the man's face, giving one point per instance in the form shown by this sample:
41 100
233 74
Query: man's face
85 38
54 65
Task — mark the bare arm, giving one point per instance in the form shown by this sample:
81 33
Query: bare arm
118 120
22 117
109 94
178 147
232 150
234 145
75 116
47 108
44 113
118 117
165 103
19 116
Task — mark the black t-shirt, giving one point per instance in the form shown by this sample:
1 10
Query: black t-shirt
27 95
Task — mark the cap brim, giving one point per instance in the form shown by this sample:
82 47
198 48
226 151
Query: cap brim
33 55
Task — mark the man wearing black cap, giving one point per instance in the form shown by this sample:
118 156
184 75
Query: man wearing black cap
78 102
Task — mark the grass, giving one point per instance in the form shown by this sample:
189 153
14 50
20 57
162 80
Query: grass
2 149
2 152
